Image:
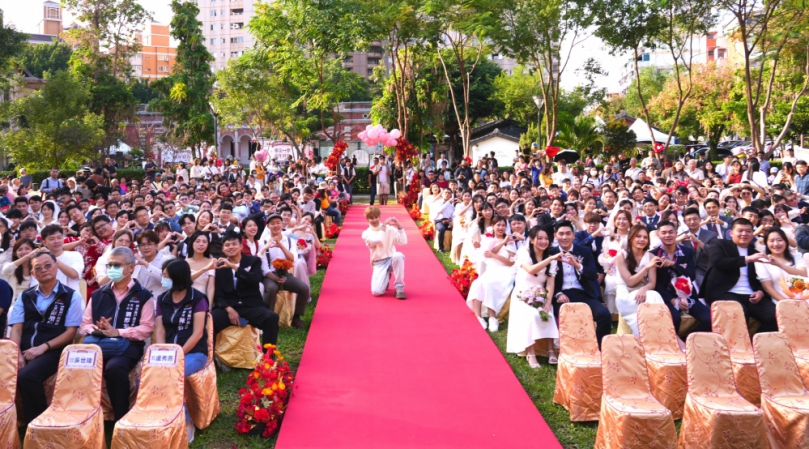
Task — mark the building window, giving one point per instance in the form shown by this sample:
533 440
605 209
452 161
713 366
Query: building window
370 72
213 41
373 61
223 40
721 53
222 12
137 68
645 57
53 12
236 12
221 26
213 12
236 26
162 68
211 27
348 59
236 40
710 53
148 69
148 58
375 49
223 54
162 57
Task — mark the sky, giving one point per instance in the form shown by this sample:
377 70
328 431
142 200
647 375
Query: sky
26 15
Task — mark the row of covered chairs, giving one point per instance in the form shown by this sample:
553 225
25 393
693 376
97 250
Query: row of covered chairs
75 416
636 388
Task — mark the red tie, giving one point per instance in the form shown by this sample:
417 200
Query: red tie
695 246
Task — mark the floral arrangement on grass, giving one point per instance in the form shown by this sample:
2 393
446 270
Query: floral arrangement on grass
324 256
405 150
463 277
336 154
343 206
411 197
536 297
415 213
264 399
427 230
282 267
332 231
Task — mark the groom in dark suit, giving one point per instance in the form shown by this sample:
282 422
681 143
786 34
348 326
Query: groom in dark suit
574 279
732 275
700 238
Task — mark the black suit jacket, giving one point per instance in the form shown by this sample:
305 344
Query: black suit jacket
583 238
685 265
651 223
701 255
246 293
588 277
724 270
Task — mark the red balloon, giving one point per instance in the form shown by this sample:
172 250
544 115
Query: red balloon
659 147
551 151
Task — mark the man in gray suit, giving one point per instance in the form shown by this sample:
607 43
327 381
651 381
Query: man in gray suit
700 238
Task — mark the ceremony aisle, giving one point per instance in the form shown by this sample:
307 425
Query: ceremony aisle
379 372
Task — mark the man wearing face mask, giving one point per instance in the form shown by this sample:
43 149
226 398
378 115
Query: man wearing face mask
119 317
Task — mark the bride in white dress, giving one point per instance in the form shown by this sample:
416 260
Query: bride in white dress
525 326
637 270
492 288
462 216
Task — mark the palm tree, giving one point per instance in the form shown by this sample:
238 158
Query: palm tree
581 134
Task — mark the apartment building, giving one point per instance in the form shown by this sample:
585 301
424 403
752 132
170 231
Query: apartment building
156 56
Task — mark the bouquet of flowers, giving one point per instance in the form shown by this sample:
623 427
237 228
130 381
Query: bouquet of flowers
302 246
795 286
264 399
336 154
427 230
332 231
463 277
536 297
324 255
607 260
282 267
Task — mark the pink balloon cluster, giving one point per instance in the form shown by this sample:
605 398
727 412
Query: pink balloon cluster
261 155
377 134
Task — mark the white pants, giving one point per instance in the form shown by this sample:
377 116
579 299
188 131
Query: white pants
380 278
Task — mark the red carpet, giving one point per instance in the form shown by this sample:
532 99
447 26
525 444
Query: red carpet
377 372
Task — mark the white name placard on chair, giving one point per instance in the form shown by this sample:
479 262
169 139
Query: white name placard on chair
81 359
162 357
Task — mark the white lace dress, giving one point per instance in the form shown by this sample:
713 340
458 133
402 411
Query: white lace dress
494 285
612 277
524 323
625 296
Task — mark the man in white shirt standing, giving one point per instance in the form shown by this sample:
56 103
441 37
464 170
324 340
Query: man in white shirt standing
723 169
383 181
633 170
442 211
693 172
70 263
562 174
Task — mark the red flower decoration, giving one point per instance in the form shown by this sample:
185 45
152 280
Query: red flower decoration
301 244
405 150
337 153
463 277
324 256
613 252
489 234
264 403
683 285
659 147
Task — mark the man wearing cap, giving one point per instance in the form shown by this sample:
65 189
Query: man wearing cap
278 246
25 178
234 174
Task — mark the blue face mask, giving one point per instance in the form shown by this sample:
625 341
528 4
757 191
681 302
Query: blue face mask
116 274
166 283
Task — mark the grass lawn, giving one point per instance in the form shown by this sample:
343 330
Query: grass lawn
222 434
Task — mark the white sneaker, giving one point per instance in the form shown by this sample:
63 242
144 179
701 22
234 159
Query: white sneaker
482 322
494 325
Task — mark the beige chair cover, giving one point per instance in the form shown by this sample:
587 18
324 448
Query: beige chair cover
9 359
285 307
578 375
630 416
74 419
793 321
158 419
784 398
664 360
201 395
623 328
715 415
237 347
727 319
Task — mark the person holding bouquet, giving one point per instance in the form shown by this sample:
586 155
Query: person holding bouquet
531 315
380 239
275 247
638 276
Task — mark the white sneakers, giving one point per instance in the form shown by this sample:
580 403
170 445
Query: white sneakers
494 325
482 321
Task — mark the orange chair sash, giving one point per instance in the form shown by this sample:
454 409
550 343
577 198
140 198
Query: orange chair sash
578 374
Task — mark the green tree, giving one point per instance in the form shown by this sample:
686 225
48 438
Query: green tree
12 43
183 95
143 91
618 138
651 82
302 39
103 48
54 126
515 93
581 135
481 91
543 34
39 59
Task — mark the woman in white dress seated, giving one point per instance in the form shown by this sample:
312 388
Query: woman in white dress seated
525 325
493 287
462 216
783 264
615 238
637 270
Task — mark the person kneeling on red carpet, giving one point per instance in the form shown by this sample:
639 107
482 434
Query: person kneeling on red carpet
380 240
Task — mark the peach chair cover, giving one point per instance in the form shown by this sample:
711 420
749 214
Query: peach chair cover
578 375
158 419
9 358
106 405
715 415
201 395
285 308
74 419
784 398
665 361
237 347
727 319
630 416
793 321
